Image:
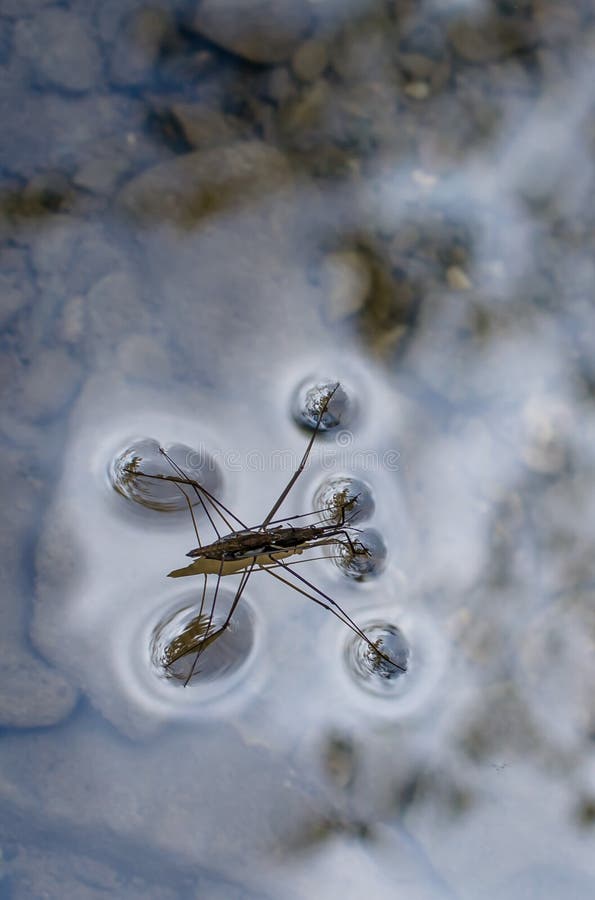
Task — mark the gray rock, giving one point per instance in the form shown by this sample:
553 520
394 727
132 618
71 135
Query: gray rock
115 309
59 49
137 46
48 385
15 286
488 40
38 871
347 280
42 130
310 60
204 127
197 185
33 694
101 174
17 8
142 358
262 31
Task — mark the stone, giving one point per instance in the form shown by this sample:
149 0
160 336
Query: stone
142 358
17 8
15 284
137 46
204 127
101 174
310 60
417 90
458 279
33 694
261 31
197 185
59 49
48 386
488 40
347 282
51 128
115 309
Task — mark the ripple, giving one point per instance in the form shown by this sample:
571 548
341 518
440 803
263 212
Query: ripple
182 631
143 457
411 638
364 557
226 675
342 496
373 670
309 397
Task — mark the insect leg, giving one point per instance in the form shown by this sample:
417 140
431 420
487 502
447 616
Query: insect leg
199 491
303 462
209 623
333 607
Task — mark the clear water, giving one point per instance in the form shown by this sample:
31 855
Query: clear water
394 196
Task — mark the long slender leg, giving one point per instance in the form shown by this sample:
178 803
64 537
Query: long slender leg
238 595
303 462
210 638
333 607
216 503
209 623
199 490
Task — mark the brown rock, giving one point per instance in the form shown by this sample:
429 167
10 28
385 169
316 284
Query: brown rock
489 40
261 31
310 60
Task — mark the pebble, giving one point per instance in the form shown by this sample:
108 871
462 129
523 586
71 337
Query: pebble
204 127
190 187
17 8
71 324
15 286
33 695
47 386
37 869
141 357
347 282
55 129
137 45
261 31
100 175
59 49
115 308
281 87
458 279
309 60
417 90
490 40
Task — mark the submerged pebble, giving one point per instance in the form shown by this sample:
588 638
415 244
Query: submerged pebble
261 32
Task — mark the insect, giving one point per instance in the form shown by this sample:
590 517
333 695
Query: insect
266 547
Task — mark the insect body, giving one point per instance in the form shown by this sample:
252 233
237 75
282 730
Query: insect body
266 547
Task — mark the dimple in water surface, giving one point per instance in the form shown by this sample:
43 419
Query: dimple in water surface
270 547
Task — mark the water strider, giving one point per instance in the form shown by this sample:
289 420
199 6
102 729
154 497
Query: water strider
264 547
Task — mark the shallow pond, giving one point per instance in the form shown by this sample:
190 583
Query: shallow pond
207 209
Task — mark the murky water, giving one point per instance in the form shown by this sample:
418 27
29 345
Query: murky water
210 212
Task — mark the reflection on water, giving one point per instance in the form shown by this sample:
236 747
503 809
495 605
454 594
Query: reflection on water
204 215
